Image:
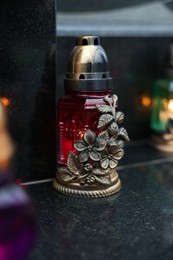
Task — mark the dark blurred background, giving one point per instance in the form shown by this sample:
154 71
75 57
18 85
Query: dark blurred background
97 5
27 81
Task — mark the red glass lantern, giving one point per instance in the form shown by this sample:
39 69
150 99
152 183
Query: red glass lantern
87 86
87 82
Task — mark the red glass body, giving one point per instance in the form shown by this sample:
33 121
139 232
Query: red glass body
76 114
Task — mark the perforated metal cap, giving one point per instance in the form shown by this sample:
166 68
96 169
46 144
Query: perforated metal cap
88 68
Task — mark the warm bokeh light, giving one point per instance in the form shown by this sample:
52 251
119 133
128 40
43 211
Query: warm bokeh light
146 101
5 101
81 133
170 105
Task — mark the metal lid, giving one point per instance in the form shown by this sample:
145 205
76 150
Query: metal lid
88 68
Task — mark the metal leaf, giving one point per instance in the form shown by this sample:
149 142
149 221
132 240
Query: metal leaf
80 145
89 137
113 129
94 155
108 100
113 149
65 174
123 133
120 144
103 180
104 108
104 135
113 162
84 156
100 172
104 120
119 117
115 100
104 163
119 154
99 145
73 164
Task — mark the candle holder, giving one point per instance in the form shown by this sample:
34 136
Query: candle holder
90 140
162 109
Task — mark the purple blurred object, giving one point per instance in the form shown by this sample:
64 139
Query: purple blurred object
17 223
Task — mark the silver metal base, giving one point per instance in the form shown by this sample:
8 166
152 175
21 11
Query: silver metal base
90 190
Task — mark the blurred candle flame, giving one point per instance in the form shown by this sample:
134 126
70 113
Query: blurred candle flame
170 109
6 145
170 105
146 101
81 133
5 101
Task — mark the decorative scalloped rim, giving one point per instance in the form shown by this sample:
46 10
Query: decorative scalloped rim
86 193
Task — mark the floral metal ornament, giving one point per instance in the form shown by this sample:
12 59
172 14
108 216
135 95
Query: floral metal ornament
91 168
90 146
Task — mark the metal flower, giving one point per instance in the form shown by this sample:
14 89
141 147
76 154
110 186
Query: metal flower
90 146
111 156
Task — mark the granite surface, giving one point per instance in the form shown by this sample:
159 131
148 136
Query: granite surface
137 223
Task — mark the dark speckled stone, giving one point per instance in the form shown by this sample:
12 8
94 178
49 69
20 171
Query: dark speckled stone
137 223
27 79
140 152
